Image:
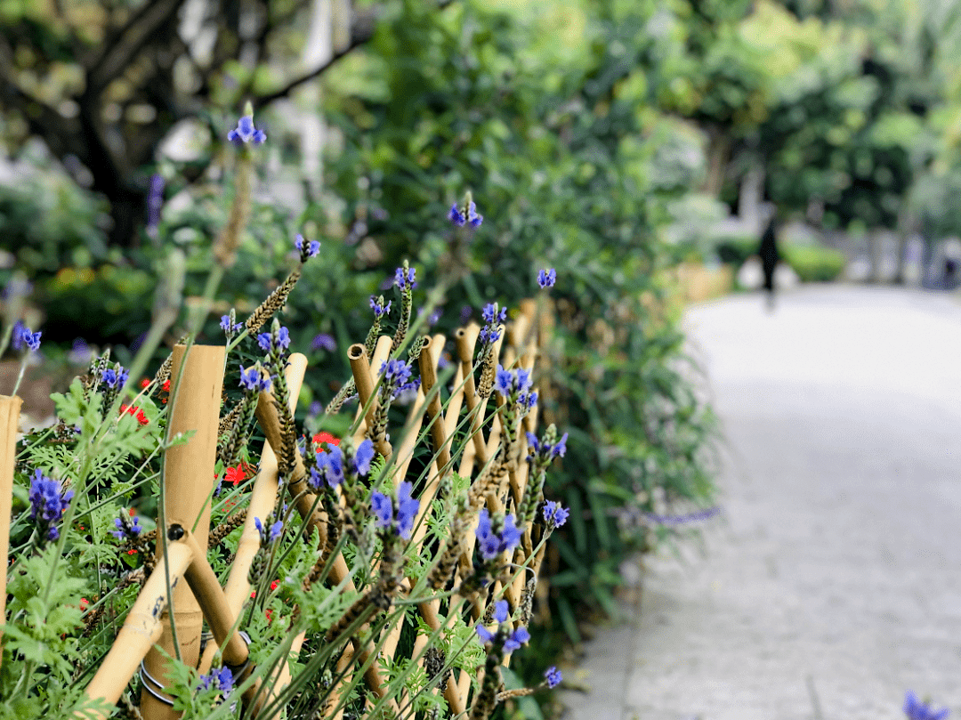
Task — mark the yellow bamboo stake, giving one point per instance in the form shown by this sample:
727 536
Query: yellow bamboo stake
9 421
141 628
262 500
188 482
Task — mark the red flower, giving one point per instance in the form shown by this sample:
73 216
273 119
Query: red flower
136 412
84 604
132 512
325 437
131 552
166 386
274 584
235 475
145 382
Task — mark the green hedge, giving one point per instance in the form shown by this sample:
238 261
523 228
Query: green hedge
813 263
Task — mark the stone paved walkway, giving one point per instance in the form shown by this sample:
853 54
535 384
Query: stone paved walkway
832 582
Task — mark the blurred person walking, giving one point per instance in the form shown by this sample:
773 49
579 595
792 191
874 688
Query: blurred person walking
769 255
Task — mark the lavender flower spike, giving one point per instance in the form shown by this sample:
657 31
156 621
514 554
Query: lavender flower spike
917 710
245 132
547 278
553 677
48 503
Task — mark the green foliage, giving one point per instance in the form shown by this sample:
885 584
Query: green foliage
813 263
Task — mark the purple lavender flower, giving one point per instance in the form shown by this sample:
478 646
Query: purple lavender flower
48 502
245 132
378 306
488 335
330 465
407 508
461 218
80 353
517 638
917 710
382 508
23 337
512 382
465 314
252 380
492 313
490 543
527 400
404 279
484 634
433 317
547 278
472 217
555 514
271 536
230 329
115 377
307 249
267 342
363 456
544 450
401 519
456 216
323 341
673 520
222 680
126 529
553 677
500 611
406 391
395 372
155 200
276 530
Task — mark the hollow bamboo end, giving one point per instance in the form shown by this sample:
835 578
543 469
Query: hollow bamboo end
356 352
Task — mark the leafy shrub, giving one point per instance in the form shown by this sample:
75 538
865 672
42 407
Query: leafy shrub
814 263
736 250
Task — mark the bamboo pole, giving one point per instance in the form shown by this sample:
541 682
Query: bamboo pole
141 628
262 500
9 422
365 371
188 482
428 378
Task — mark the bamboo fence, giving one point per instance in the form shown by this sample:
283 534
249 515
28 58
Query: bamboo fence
188 484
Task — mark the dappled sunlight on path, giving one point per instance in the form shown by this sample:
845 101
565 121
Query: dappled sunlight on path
830 585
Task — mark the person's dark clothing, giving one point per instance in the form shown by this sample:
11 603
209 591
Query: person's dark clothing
769 256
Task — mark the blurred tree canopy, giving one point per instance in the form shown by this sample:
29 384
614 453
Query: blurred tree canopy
844 107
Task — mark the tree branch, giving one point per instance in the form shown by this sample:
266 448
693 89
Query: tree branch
129 41
355 42
361 35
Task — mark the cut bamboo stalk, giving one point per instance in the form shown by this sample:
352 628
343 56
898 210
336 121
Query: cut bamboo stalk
263 497
363 371
428 378
9 422
415 418
141 628
269 420
206 588
188 483
466 339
